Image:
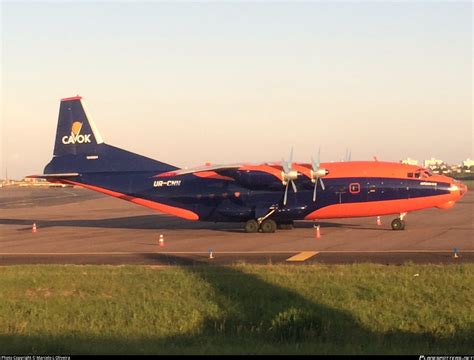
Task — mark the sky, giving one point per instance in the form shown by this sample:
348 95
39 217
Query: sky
224 82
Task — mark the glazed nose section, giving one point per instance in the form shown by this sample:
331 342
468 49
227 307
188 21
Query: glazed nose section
462 189
457 189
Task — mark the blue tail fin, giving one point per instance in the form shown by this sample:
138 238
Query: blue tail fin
79 147
76 132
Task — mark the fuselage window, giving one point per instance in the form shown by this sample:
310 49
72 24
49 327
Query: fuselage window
410 175
354 188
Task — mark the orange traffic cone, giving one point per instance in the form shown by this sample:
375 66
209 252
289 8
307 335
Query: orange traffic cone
162 240
318 232
33 230
378 221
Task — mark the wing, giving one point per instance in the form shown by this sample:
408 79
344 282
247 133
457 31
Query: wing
199 169
227 171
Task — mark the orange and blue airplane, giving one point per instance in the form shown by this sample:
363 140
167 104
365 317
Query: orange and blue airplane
263 196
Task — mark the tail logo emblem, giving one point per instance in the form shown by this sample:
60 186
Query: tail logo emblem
76 137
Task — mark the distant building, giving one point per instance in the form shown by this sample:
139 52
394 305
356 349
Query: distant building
436 165
409 161
433 163
34 181
5 182
468 163
456 169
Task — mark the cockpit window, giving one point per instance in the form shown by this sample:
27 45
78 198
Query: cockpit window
422 173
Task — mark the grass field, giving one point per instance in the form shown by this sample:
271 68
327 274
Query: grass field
240 309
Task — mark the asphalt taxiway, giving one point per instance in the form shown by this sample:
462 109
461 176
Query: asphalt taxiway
77 226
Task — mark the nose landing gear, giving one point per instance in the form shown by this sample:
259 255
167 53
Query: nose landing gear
399 223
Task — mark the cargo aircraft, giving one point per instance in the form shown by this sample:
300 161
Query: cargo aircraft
263 196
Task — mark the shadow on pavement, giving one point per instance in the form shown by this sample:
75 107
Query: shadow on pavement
152 222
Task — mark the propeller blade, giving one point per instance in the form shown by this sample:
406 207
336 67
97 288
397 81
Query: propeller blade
322 184
314 191
285 166
286 194
294 186
314 164
290 160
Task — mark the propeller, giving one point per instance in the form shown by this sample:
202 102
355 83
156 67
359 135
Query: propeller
316 174
348 155
288 175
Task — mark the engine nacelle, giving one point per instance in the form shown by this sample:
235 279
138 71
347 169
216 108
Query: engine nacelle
291 175
318 173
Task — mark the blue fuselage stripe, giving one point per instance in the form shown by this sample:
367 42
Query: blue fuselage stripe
225 200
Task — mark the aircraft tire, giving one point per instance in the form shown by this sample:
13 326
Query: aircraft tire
268 226
398 224
251 226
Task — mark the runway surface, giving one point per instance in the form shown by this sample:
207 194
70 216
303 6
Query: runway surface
77 226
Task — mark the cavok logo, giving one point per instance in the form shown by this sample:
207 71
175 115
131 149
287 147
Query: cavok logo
76 137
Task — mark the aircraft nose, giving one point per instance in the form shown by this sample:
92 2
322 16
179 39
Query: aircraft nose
457 190
456 187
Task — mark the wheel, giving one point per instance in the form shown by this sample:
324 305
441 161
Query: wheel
398 224
251 226
268 226
285 226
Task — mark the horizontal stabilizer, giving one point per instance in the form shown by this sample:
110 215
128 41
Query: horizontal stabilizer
52 176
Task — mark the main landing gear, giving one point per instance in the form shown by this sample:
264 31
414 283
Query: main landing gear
263 223
399 223
251 226
267 226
